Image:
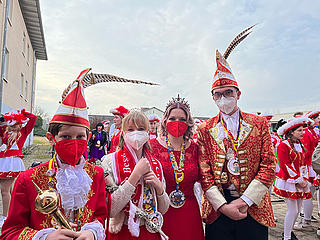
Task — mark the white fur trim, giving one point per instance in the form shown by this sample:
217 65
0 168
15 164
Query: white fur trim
133 226
293 122
312 113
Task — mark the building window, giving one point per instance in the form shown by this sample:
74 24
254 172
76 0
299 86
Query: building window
23 42
21 85
6 65
28 53
10 3
26 90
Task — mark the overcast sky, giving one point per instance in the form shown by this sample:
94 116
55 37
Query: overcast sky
173 43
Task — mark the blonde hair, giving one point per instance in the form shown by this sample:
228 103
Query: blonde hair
139 119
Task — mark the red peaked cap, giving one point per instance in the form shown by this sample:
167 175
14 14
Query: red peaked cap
121 111
223 76
73 109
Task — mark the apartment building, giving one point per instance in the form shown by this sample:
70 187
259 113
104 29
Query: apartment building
22 44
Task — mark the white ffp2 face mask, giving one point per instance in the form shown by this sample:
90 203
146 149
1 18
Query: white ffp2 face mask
136 139
226 105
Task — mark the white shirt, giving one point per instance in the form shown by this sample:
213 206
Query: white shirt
232 122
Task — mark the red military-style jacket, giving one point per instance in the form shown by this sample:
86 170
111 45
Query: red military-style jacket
256 161
24 221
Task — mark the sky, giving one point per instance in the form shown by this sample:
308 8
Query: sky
173 43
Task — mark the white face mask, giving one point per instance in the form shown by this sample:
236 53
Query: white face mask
136 139
226 105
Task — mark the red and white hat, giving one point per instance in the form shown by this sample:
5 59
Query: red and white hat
292 123
153 118
105 122
121 111
73 109
14 118
223 76
311 114
268 116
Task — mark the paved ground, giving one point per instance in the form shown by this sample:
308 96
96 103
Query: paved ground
42 152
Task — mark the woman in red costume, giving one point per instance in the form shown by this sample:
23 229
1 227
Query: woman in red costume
118 114
13 136
292 181
136 184
178 155
154 121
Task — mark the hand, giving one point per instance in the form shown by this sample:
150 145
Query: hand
85 235
151 178
142 167
232 210
62 234
240 201
93 136
100 148
302 185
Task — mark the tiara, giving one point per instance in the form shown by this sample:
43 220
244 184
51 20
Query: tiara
178 100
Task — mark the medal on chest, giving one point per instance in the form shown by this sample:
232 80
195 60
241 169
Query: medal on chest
233 163
177 197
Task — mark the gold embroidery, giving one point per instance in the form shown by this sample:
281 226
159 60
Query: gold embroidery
27 233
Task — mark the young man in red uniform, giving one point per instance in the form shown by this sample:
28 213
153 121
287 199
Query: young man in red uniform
80 185
237 164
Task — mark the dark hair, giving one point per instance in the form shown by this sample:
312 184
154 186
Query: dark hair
99 125
297 114
54 128
315 116
289 133
280 123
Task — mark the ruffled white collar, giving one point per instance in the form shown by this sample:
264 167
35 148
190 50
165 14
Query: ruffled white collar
73 185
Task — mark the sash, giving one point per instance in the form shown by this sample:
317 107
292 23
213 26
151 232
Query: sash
123 166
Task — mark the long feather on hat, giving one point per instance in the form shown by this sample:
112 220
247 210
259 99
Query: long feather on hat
238 39
94 78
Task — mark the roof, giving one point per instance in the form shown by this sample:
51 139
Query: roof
32 17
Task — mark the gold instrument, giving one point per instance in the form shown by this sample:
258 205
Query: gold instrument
47 202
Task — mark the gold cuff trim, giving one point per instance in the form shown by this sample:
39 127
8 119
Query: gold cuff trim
256 191
215 197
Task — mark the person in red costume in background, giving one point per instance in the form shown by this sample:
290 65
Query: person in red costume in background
118 114
310 141
80 185
292 179
178 155
153 121
14 130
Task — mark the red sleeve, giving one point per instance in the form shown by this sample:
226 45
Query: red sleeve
284 161
308 144
26 130
18 220
100 212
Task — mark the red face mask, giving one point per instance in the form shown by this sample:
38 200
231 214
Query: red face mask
70 151
177 128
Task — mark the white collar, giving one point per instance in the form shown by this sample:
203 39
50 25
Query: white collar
234 116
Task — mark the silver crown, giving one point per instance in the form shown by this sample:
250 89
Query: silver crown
178 100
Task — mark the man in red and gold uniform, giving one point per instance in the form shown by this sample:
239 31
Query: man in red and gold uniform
118 114
237 164
80 185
